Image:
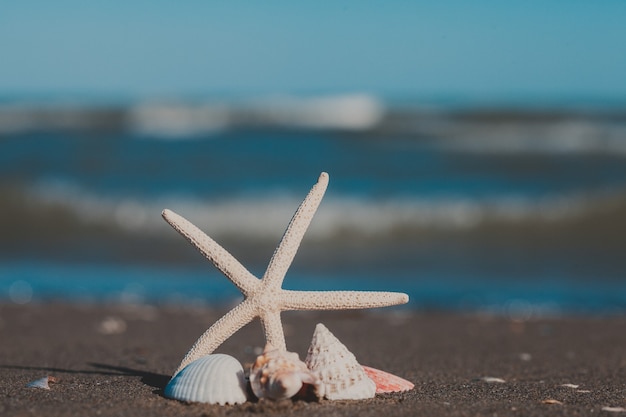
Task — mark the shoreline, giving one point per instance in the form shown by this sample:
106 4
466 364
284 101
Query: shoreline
116 359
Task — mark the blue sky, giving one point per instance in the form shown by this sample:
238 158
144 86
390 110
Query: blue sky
465 49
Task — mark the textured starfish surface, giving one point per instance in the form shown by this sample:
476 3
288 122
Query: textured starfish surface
264 298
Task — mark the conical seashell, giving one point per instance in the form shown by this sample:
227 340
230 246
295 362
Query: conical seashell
386 382
278 374
341 375
213 379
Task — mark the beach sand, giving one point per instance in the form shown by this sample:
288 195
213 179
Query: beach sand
116 360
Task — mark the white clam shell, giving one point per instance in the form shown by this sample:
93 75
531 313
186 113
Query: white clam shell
343 378
278 374
213 379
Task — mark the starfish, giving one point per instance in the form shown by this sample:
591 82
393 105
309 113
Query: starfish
264 298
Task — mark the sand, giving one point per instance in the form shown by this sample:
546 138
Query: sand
116 360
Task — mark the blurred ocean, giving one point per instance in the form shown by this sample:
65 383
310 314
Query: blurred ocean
518 211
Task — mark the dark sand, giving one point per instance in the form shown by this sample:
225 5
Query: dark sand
446 356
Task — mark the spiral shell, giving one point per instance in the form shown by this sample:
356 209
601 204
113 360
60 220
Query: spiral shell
213 379
278 374
341 375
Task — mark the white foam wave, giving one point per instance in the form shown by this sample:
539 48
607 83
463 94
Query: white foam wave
355 112
267 217
176 121
184 120
556 137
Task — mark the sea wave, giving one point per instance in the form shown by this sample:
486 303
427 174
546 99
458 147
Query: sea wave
186 120
505 130
562 137
266 217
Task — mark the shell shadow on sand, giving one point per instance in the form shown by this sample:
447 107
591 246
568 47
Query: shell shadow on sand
151 379
154 380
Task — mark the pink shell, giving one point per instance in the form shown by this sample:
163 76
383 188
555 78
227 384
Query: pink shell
386 382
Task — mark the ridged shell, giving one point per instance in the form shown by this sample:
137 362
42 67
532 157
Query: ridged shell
386 382
278 374
341 375
213 379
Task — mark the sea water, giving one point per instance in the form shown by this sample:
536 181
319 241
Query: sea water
459 210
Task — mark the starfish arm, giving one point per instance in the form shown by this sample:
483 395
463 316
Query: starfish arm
220 257
273 330
288 246
340 300
221 330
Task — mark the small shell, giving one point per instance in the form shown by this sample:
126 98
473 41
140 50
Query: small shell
386 382
551 401
278 374
42 383
341 375
213 379
112 325
614 409
492 380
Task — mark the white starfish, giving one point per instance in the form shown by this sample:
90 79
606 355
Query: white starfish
264 298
